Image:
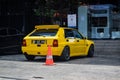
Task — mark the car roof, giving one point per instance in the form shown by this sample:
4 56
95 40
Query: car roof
50 27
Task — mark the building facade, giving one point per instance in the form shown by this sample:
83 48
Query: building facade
99 22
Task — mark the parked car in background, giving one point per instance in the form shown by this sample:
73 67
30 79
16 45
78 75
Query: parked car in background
10 40
65 42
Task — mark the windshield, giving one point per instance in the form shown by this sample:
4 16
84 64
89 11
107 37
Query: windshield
45 32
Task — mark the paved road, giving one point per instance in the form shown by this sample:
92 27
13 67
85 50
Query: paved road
98 59
100 67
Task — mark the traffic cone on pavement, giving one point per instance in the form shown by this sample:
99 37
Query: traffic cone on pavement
49 57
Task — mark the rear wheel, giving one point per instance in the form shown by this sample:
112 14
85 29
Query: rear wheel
29 57
91 51
65 54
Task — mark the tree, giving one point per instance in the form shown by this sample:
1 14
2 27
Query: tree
48 7
43 7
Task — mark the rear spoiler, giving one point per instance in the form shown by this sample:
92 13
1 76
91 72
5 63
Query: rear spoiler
46 26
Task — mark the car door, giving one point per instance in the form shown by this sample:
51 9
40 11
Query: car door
80 43
15 37
3 38
70 40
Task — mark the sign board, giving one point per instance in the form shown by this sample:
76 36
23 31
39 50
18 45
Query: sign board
71 20
100 7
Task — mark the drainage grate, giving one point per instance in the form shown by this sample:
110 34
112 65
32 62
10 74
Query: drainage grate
38 77
11 78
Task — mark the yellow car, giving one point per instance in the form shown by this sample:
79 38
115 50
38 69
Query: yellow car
65 43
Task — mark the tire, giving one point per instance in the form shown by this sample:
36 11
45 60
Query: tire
91 51
29 57
65 54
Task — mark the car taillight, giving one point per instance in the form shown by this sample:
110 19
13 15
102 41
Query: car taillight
24 43
55 43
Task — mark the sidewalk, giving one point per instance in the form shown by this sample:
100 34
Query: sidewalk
15 70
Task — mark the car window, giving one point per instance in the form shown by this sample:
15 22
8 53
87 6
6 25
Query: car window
77 34
3 32
12 32
45 32
68 33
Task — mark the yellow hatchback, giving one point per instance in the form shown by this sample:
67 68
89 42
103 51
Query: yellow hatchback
65 43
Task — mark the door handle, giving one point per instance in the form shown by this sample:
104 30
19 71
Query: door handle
67 40
77 40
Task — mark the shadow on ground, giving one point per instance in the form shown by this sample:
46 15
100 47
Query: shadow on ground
113 60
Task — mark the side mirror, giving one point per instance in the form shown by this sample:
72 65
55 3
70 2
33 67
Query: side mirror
84 37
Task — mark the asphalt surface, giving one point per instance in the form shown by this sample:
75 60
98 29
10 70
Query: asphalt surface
100 67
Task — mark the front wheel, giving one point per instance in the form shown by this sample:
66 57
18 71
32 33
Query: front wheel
91 51
65 54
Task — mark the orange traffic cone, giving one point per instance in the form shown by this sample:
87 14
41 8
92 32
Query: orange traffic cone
49 57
